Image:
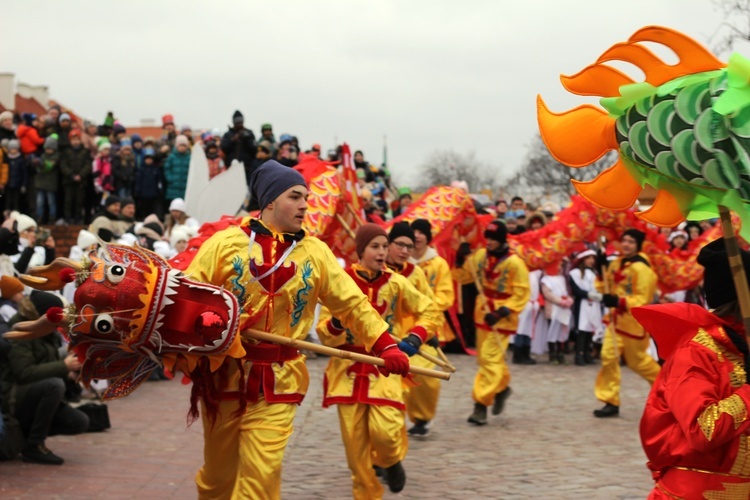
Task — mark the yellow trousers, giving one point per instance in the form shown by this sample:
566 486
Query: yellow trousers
372 435
607 387
421 401
493 375
242 455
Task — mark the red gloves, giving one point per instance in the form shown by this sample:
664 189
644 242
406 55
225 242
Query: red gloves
395 361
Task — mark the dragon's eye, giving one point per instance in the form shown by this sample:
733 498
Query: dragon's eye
104 323
116 273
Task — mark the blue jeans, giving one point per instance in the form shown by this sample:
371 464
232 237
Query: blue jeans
50 197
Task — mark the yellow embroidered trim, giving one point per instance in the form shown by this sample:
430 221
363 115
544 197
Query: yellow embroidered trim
732 491
733 406
741 465
707 341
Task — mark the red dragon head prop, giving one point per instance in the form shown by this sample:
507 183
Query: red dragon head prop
132 313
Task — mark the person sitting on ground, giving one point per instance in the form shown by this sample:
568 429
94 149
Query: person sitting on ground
35 377
29 254
178 217
106 223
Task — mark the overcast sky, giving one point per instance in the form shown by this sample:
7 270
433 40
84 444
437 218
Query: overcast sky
429 74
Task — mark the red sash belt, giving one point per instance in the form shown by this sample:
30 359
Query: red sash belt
493 294
261 379
266 352
682 482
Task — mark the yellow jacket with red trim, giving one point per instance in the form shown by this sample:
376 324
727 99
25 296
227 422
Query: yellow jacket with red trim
281 301
392 296
503 281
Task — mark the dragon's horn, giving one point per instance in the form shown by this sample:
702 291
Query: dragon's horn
38 328
53 276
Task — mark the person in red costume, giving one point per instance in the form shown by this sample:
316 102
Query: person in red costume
695 425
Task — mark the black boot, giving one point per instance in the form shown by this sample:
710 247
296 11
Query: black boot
40 454
561 352
527 359
518 356
580 359
588 356
552 348
419 429
395 476
479 417
500 398
607 411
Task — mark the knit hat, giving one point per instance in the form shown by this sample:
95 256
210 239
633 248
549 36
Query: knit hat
401 229
109 120
496 231
63 117
270 180
14 144
9 286
182 140
28 118
86 239
50 143
118 128
124 202
155 227
104 146
111 200
266 126
717 278
74 133
44 301
24 223
365 234
135 138
167 120
676 234
177 235
424 227
5 115
638 236
237 117
178 204
186 128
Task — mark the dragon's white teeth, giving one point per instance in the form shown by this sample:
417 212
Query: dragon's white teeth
170 291
166 301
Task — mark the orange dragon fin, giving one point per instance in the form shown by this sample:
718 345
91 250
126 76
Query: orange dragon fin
693 57
613 189
596 79
577 137
665 212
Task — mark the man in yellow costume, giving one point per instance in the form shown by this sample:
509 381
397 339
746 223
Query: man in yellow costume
278 274
371 407
503 285
631 283
422 400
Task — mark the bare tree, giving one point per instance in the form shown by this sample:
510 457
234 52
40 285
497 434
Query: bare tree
735 27
445 166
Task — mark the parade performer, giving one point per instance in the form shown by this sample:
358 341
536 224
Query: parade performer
695 425
422 400
630 283
278 274
587 311
503 282
530 324
370 406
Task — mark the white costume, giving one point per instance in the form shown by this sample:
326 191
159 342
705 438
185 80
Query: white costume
554 289
590 313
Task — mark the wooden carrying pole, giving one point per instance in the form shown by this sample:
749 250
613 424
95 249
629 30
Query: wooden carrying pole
429 357
338 353
738 269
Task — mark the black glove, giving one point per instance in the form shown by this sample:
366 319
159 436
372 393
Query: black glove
495 316
610 300
434 342
601 261
464 250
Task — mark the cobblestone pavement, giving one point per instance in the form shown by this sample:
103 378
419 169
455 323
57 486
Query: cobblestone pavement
546 444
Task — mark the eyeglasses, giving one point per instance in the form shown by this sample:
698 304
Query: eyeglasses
404 246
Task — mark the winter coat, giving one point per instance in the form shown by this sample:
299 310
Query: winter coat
148 182
123 168
18 173
103 179
30 361
243 149
7 134
47 172
75 161
175 173
29 138
106 226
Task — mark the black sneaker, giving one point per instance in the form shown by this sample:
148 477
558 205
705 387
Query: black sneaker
479 417
419 430
40 454
500 398
395 476
607 411
379 472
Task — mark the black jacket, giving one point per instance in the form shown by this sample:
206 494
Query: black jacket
242 149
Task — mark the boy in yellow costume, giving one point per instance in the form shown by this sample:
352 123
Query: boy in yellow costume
278 274
631 283
503 280
371 407
422 400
